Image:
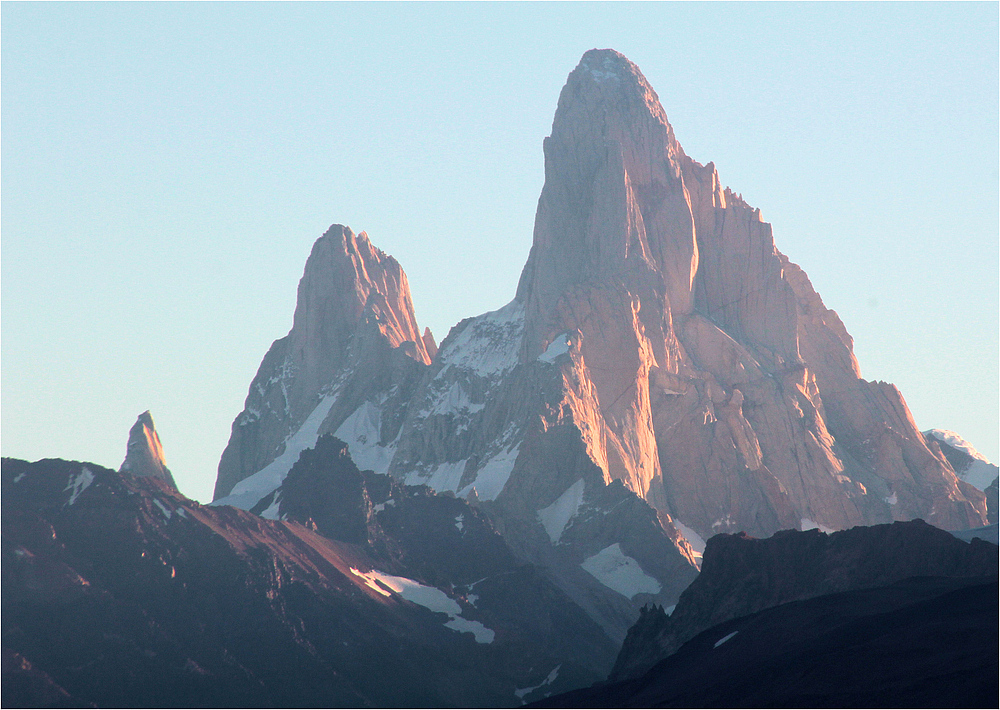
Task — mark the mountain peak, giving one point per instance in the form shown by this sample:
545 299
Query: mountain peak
609 76
144 453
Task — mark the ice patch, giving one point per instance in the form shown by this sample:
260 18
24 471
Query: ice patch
549 679
427 597
163 509
957 442
980 472
271 512
694 539
493 475
808 524
361 432
443 477
252 489
78 484
559 346
616 570
480 632
724 639
556 516
454 399
381 506
489 344
182 512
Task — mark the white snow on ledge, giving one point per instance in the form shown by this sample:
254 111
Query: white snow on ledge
248 492
427 597
361 432
78 484
724 639
808 524
616 570
489 344
558 346
556 517
549 680
694 539
980 472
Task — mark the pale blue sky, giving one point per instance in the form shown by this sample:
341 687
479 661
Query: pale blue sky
167 167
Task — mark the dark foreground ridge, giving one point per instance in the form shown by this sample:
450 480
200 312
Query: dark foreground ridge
120 592
926 642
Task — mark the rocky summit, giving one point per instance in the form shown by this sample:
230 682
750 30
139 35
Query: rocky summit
144 452
663 374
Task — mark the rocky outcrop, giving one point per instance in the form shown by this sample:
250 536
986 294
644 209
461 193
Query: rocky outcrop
120 592
742 575
923 642
728 395
144 453
970 466
354 338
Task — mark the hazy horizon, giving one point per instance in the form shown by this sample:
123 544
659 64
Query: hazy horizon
167 167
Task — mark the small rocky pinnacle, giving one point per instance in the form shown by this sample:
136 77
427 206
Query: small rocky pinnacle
144 453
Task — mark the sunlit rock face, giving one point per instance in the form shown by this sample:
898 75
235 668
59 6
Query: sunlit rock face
662 374
354 334
144 453
727 394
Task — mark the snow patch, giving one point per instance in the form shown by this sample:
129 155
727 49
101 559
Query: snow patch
361 432
458 521
78 484
493 475
694 539
559 346
724 639
549 679
808 524
489 344
381 506
443 477
167 513
891 499
616 570
957 442
271 512
427 597
18 477
480 632
452 399
556 516
980 472
252 489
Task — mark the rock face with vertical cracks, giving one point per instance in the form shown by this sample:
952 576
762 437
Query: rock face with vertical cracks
662 374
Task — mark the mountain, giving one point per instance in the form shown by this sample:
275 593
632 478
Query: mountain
663 374
144 453
924 642
742 575
970 466
120 592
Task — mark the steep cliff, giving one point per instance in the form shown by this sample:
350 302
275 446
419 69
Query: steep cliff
663 374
